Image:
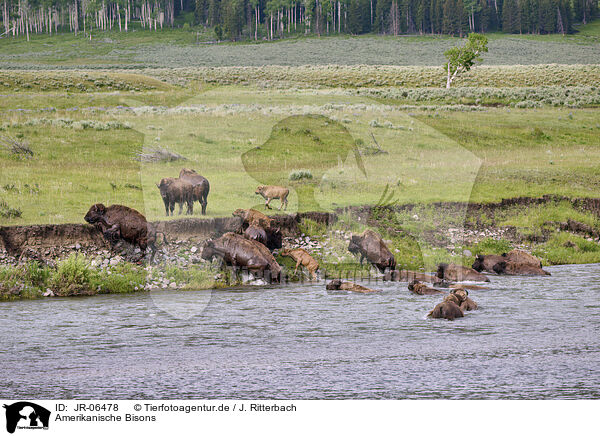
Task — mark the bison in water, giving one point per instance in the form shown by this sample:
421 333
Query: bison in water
121 222
301 256
272 192
176 191
486 262
466 302
370 246
515 262
201 186
237 251
339 285
457 273
419 288
519 269
449 308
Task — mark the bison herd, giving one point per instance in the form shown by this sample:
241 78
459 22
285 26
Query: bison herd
253 247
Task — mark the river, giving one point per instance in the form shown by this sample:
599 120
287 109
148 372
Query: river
533 338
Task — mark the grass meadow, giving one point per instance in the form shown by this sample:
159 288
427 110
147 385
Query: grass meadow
86 144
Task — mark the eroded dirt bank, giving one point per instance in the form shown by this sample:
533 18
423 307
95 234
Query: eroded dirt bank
54 241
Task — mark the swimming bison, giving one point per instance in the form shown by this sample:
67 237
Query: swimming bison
339 285
515 262
457 273
370 246
419 288
449 308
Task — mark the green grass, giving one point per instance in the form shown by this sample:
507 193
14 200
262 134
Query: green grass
428 156
565 248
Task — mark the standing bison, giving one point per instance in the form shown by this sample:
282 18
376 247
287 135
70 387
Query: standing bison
121 222
200 184
370 246
237 251
176 191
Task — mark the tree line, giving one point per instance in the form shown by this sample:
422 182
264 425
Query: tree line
273 19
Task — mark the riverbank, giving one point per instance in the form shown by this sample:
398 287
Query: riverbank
74 259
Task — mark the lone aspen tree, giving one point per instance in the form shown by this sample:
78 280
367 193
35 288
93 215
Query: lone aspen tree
463 58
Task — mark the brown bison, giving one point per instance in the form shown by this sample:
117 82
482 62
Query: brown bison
370 246
519 269
273 192
237 251
486 262
121 222
419 288
339 285
409 276
466 302
449 308
301 256
252 217
176 191
516 262
256 234
261 228
520 256
200 184
458 273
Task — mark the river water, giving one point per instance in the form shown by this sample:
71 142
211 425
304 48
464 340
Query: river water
533 338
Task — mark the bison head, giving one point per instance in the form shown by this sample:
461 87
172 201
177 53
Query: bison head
478 264
334 285
260 189
208 250
500 267
354 246
460 293
95 213
442 270
163 186
239 212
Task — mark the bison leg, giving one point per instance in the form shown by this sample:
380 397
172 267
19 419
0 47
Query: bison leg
297 265
180 207
112 233
190 207
204 202
166 202
267 203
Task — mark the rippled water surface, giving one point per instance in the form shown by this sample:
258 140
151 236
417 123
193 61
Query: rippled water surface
534 337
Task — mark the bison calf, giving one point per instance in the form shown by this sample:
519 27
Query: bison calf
273 192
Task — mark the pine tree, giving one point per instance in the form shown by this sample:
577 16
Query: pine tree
511 21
